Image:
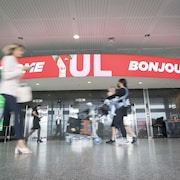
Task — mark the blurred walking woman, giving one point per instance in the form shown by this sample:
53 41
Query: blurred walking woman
11 74
121 111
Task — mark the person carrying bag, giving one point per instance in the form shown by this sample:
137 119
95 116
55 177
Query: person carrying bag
10 81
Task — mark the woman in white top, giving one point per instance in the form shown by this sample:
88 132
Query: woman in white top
11 74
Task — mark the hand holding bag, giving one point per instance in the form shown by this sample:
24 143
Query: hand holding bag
24 93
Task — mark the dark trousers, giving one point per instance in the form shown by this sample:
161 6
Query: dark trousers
118 120
12 106
58 129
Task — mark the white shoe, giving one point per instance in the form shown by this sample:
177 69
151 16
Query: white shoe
24 150
124 142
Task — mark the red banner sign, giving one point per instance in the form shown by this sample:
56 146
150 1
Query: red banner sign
101 65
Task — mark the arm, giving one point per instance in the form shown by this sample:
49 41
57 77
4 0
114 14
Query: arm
35 114
10 68
121 95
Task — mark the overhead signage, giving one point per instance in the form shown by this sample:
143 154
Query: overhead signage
101 65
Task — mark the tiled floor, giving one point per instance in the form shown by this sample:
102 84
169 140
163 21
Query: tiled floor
157 159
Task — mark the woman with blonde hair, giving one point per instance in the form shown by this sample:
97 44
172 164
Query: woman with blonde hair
10 79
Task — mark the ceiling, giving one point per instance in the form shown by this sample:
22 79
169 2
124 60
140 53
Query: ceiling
141 27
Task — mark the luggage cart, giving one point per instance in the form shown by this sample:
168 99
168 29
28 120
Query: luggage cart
85 126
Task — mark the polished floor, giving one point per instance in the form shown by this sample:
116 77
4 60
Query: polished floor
154 159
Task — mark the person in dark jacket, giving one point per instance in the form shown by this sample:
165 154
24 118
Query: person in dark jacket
121 111
36 124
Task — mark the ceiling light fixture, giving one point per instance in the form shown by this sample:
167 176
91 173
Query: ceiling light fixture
111 39
140 82
37 84
76 36
147 35
89 82
20 37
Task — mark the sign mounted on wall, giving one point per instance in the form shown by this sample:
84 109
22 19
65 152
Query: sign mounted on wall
101 65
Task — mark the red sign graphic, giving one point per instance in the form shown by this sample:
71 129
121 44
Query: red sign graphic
101 65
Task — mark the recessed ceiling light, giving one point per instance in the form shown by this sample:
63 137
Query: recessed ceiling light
89 82
76 36
37 84
140 82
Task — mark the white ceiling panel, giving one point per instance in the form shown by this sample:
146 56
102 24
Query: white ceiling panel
91 9
117 9
167 26
144 8
172 9
137 26
91 27
35 9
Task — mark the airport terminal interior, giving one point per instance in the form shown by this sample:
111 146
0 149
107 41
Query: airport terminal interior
77 50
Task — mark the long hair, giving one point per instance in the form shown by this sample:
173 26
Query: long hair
9 49
123 81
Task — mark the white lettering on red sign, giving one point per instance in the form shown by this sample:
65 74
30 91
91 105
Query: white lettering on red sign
35 66
97 67
38 67
87 66
154 66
